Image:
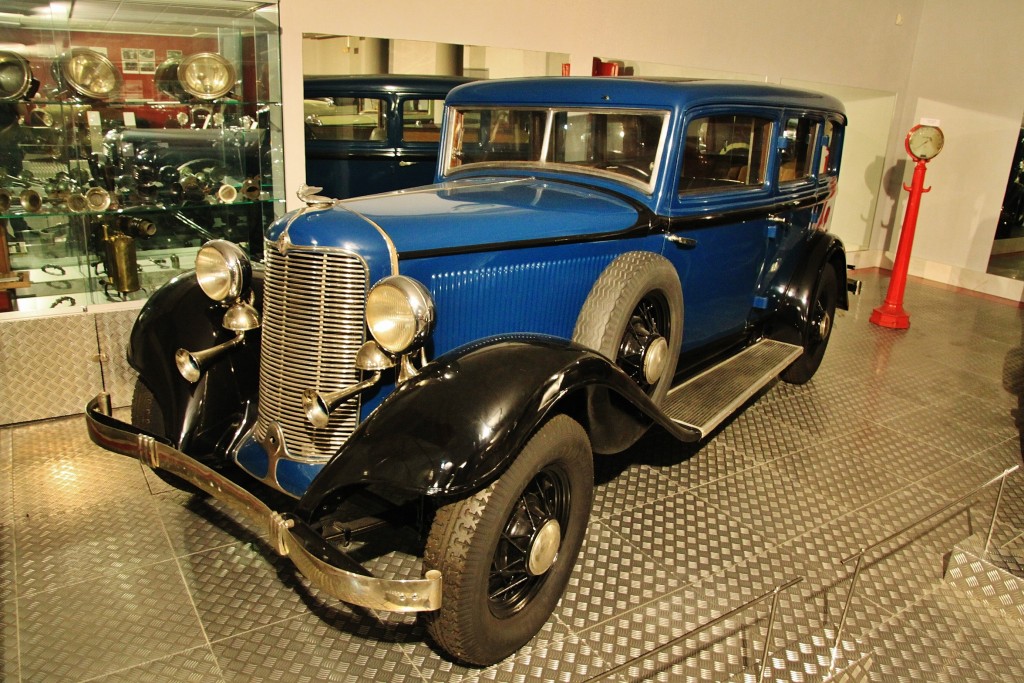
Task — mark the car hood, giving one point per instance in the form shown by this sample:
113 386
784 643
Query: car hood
480 211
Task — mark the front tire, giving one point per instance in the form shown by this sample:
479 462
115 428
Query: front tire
506 553
146 414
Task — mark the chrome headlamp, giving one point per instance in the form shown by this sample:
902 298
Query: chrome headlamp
166 78
223 270
15 76
88 73
206 75
399 313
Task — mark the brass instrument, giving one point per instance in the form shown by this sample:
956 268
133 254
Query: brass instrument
119 257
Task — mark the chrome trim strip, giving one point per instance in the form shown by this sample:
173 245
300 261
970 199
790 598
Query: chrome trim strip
392 250
394 595
283 241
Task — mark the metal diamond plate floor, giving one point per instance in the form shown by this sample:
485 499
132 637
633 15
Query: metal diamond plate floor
107 574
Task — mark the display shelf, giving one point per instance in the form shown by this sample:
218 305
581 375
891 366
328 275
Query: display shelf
130 130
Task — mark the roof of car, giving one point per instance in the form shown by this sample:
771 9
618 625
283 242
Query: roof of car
383 83
633 92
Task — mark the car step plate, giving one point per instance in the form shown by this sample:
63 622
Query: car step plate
704 401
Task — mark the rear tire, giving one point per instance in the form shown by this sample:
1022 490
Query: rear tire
817 329
506 553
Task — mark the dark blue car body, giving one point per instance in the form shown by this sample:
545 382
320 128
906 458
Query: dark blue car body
392 145
542 282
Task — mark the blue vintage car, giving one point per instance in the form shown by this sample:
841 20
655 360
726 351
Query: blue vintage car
450 357
369 134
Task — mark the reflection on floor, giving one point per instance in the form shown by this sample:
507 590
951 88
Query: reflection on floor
106 574
1007 265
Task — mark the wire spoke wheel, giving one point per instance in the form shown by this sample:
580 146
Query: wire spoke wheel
506 553
529 542
642 351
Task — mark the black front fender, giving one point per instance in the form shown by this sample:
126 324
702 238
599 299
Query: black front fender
457 425
196 416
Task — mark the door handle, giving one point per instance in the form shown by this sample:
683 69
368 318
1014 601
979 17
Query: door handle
683 242
406 163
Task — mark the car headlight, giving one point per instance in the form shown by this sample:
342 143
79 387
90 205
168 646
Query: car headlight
206 75
88 73
166 78
399 313
15 76
223 270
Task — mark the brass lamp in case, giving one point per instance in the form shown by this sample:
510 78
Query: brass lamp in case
202 76
87 74
15 77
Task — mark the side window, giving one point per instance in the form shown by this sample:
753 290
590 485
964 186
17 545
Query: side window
725 151
796 152
348 119
421 120
830 150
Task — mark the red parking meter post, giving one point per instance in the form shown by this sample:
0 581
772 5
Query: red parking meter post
891 313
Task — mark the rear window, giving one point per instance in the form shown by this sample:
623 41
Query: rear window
831 145
797 149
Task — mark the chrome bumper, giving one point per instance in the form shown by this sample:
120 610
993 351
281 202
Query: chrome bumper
324 565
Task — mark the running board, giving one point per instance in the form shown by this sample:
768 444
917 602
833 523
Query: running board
703 402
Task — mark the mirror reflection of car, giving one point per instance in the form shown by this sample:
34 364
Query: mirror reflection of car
370 134
449 358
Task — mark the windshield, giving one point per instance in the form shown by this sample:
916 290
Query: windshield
625 145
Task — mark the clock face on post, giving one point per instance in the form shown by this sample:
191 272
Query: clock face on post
924 142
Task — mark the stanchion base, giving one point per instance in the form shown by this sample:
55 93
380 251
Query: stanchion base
892 316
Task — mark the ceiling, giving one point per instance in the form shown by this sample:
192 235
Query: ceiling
173 17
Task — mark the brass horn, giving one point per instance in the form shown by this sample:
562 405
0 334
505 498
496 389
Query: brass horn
318 407
251 189
77 203
192 364
31 202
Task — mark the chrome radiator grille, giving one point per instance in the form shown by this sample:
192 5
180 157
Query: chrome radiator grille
312 328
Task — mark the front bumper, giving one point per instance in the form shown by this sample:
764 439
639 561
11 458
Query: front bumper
325 566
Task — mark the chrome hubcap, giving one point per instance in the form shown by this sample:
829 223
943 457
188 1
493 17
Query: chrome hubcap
655 360
544 547
824 326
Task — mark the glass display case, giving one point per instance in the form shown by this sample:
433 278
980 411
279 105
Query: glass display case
132 131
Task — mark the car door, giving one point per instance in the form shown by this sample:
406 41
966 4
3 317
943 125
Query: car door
350 143
419 136
807 171
720 229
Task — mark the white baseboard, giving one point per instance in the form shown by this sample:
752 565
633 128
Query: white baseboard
994 285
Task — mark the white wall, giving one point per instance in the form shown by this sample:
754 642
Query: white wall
948 59
967 72
328 56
